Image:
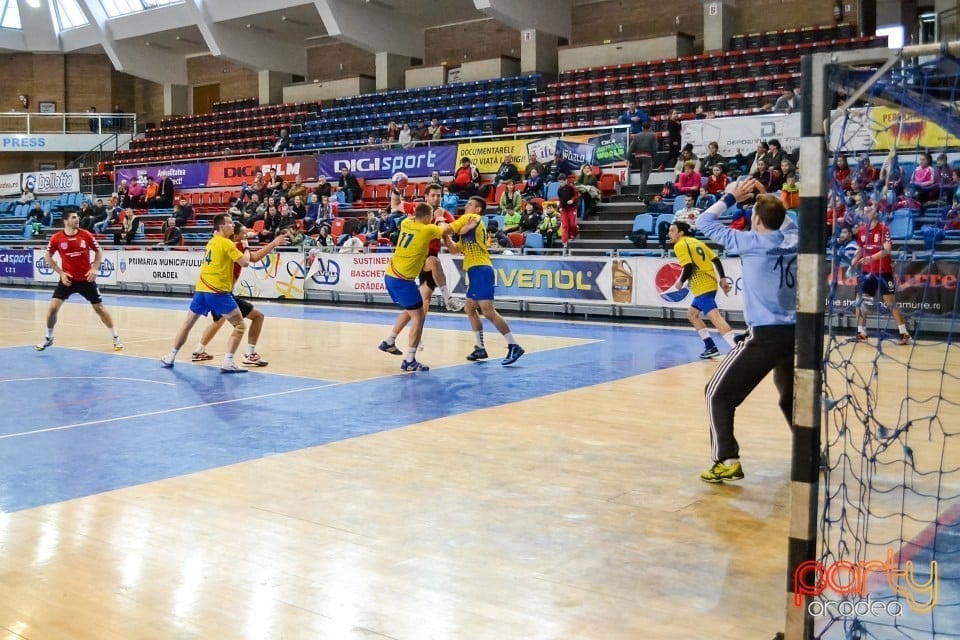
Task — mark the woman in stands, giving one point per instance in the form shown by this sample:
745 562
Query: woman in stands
842 174
589 191
674 131
717 182
924 179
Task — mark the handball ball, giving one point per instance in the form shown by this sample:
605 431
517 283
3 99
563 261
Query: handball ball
400 180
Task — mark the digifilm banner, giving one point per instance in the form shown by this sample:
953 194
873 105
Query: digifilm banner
233 173
43 272
418 162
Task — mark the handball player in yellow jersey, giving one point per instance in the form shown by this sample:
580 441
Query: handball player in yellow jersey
699 263
400 278
478 269
214 290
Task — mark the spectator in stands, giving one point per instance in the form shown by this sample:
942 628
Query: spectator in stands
297 189
749 161
136 194
86 215
717 181
132 227
510 201
288 217
704 199
150 193
507 171
435 178
532 163
764 177
713 157
790 191
371 227
172 236
496 237
349 185
569 202
321 218
951 220
689 214
323 187
254 210
391 134
183 212
313 210
434 131
634 117
775 154
865 175
531 219
271 224
466 180
846 247
891 177
27 196
550 225
416 133
689 180
686 156
166 193
674 133
283 142
98 215
36 218
387 228
114 212
94 121
534 186
299 208
123 194
275 184
589 191
700 113
784 103
842 174
642 150
924 179
945 178
405 137
553 171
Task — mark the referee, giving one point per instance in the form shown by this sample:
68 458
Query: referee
769 257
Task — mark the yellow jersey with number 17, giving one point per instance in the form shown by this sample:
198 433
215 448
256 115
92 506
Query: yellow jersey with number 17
691 250
413 243
473 243
216 271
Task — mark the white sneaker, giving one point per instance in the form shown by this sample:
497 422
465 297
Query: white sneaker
233 367
254 360
47 342
455 304
117 345
166 362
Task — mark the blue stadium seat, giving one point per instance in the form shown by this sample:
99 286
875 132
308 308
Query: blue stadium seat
901 226
643 222
532 242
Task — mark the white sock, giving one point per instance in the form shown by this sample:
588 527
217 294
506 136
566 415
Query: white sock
509 338
49 334
444 293
729 338
730 461
411 353
200 348
902 328
228 358
113 332
861 329
478 337
173 355
703 333
392 339
251 349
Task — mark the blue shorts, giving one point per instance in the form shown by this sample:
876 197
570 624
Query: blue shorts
705 302
205 302
405 293
480 283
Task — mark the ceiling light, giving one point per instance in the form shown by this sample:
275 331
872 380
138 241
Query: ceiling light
34 3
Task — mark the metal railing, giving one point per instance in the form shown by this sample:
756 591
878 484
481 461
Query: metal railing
95 123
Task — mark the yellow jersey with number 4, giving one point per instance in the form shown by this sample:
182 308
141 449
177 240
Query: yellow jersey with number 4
691 250
413 243
216 272
473 243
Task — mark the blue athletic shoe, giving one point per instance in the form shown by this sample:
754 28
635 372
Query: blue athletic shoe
392 349
514 351
413 365
478 353
166 362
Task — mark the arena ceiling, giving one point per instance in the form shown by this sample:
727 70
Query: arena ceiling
153 38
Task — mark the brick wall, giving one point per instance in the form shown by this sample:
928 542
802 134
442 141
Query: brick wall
235 82
477 40
339 60
20 162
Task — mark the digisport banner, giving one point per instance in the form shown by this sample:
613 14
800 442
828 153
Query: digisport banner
279 275
44 182
43 272
184 176
348 272
10 184
922 287
16 263
418 162
487 156
536 278
167 267
654 281
232 173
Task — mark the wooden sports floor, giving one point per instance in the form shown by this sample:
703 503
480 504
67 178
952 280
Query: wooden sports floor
330 496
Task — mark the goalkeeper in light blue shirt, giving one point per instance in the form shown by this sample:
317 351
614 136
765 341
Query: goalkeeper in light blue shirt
769 264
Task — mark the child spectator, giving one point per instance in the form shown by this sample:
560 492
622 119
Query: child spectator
790 192
550 225
530 221
534 186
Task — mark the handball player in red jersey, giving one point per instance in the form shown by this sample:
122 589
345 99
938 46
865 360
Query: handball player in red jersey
78 274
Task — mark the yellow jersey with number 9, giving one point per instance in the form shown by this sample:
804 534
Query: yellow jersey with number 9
473 243
413 243
692 250
216 271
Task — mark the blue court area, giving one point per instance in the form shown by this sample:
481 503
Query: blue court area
78 422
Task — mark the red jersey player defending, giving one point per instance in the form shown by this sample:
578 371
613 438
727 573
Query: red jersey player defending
873 254
77 274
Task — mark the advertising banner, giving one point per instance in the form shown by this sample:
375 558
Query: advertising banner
741 134
167 267
418 162
882 128
46 182
922 287
43 272
16 263
183 176
70 142
534 278
654 280
574 154
487 156
609 148
348 272
10 184
232 173
542 149
278 275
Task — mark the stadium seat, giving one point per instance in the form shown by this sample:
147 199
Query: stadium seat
516 239
643 222
532 242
